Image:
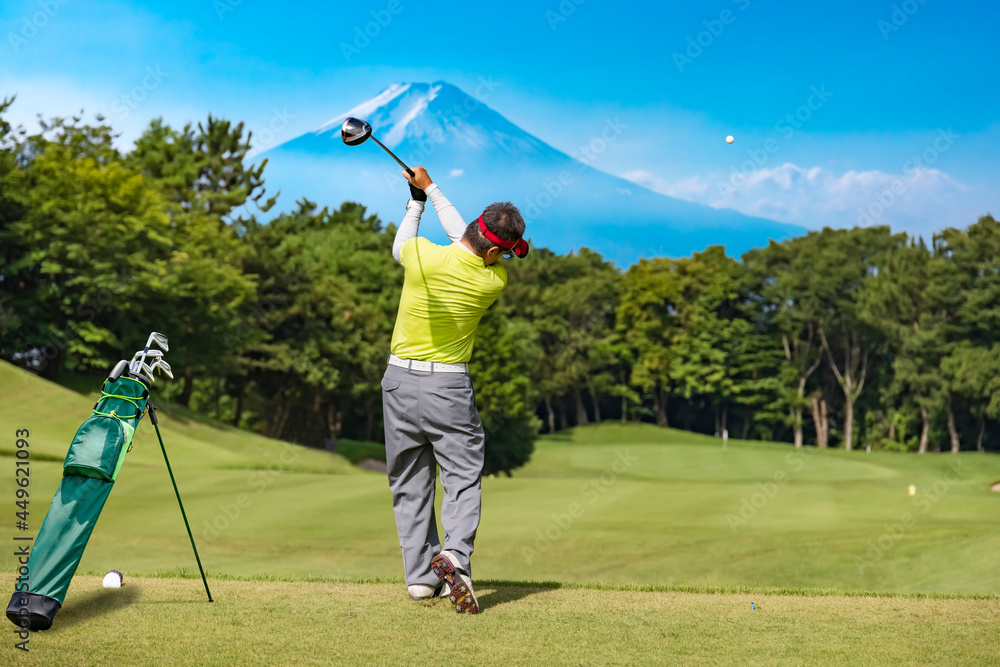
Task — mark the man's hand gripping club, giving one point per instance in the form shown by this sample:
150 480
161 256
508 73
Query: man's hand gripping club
421 181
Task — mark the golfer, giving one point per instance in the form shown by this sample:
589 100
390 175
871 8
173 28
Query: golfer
427 397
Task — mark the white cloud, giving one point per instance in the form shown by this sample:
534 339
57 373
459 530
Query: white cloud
919 201
455 173
691 189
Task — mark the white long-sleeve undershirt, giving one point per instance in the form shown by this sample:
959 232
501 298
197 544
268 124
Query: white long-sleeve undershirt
451 220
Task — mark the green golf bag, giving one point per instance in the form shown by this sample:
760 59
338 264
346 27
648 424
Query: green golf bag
95 456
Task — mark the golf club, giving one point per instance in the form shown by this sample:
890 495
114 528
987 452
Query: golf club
355 131
163 366
140 357
138 363
147 371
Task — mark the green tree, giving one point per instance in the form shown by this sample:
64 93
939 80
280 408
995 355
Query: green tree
204 175
14 283
577 320
898 302
760 388
710 329
331 288
506 350
848 265
974 372
782 299
205 169
966 298
570 302
93 240
648 321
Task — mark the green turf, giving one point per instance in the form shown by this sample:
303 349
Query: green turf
658 510
168 621
651 506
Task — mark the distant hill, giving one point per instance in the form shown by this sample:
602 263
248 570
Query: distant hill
52 413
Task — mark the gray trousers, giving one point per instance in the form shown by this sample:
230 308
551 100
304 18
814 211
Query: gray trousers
431 419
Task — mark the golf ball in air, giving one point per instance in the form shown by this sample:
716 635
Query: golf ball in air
113 579
730 139
912 490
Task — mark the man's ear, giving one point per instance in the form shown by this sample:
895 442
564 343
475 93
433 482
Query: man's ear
493 254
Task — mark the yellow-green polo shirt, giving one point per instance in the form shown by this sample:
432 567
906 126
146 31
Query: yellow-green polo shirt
446 290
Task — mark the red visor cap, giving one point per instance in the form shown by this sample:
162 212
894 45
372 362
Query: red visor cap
520 246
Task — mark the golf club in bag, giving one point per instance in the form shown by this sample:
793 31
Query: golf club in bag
355 131
91 467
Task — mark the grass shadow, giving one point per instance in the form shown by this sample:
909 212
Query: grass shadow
510 591
94 605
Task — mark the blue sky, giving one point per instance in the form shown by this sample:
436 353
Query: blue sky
894 79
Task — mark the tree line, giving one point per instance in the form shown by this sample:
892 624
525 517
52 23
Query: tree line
281 324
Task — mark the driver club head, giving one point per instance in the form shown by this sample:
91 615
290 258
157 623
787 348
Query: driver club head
355 131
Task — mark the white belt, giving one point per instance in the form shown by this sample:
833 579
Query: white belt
430 366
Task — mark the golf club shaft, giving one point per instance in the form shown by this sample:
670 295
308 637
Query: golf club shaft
408 170
156 425
149 341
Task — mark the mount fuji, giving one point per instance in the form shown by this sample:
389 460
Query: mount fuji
477 157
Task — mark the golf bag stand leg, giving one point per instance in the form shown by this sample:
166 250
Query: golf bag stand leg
156 425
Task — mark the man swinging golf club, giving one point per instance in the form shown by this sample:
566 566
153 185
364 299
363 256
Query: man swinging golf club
429 404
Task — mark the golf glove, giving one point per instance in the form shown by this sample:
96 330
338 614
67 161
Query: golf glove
417 194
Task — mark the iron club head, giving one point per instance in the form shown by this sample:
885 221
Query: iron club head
164 367
147 372
140 358
159 339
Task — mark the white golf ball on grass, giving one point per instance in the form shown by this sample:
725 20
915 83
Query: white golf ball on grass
113 579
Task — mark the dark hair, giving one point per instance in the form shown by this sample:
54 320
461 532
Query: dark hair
501 218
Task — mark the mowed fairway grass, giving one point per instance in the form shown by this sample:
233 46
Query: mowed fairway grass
163 622
638 543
